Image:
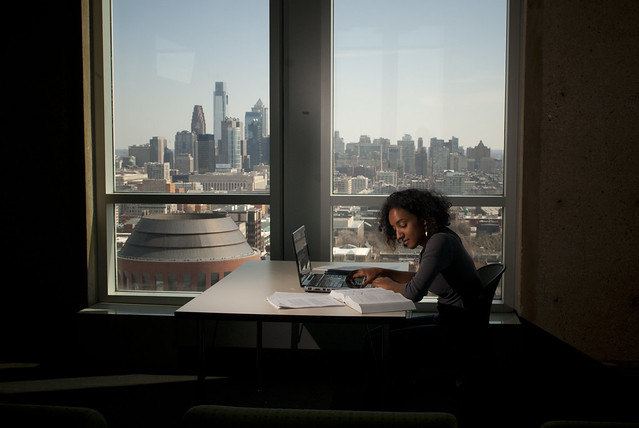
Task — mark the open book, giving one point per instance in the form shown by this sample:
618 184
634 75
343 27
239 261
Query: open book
368 300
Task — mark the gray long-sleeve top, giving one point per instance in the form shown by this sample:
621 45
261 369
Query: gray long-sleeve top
447 270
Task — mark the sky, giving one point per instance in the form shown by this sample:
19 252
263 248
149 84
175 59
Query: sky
418 67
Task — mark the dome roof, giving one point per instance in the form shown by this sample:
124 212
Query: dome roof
186 238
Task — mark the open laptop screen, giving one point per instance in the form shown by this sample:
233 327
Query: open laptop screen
301 251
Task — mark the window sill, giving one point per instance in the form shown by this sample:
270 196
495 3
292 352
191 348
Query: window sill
130 309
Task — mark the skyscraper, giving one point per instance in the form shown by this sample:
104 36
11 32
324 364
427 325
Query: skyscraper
255 136
396 159
263 111
230 149
186 143
438 155
408 153
206 153
158 145
220 104
198 124
421 160
253 133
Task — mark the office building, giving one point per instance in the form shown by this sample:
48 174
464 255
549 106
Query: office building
156 185
352 253
457 162
198 123
254 124
142 154
220 105
231 181
438 154
230 145
342 185
157 170
408 153
338 143
359 184
477 154
157 146
387 177
184 163
421 161
396 160
186 143
206 153
251 218
262 111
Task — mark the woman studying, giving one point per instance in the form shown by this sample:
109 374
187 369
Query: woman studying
414 218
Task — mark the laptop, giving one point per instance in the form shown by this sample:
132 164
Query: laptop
316 282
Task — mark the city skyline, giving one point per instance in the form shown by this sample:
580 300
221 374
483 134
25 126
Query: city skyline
162 71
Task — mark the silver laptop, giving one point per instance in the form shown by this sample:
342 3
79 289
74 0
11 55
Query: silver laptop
318 282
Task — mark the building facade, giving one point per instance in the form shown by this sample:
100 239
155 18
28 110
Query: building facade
181 252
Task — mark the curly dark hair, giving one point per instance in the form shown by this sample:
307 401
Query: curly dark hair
426 205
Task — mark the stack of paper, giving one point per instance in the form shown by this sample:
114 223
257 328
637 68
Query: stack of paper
301 300
363 300
367 300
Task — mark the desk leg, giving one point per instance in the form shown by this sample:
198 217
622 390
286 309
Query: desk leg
295 335
201 363
385 343
258 356
385 356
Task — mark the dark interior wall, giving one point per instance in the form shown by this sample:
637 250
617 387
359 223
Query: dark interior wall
43 215
580 206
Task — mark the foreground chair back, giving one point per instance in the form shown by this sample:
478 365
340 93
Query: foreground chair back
589 424
31 415
251 417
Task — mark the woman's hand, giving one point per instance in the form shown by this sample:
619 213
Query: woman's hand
382 278
387 283
369 275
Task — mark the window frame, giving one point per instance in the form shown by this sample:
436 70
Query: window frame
285 98
97 38
509 200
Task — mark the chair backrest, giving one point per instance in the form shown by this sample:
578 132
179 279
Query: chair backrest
490 276
36 415
211 415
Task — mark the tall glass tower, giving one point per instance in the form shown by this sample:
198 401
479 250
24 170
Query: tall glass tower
198 124
220 104
231 143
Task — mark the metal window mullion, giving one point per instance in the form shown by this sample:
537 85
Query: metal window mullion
199 198
378 200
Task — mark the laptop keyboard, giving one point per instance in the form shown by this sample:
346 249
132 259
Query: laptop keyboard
332 280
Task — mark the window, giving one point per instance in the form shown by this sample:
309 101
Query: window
183 144
420 96
249 110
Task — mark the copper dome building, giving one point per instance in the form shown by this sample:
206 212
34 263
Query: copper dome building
181 252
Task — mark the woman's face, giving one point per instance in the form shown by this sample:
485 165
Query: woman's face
409 230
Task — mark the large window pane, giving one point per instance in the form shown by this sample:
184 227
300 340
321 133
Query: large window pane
190 109
190 96
419 93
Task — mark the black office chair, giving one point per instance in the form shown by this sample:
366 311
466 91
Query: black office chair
490 276
478 352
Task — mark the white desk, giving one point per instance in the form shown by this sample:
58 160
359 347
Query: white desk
242 296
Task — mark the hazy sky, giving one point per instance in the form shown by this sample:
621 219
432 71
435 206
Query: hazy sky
418 67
